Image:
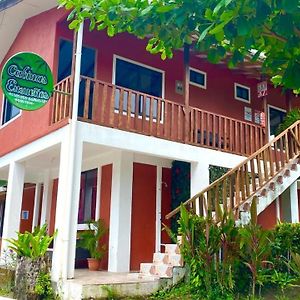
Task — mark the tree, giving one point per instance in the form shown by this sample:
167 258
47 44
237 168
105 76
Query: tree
267 31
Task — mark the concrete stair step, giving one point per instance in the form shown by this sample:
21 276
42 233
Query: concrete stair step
172 249
164 270
160 258
147 268
175 260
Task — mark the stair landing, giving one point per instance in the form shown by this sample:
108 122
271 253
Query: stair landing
99 284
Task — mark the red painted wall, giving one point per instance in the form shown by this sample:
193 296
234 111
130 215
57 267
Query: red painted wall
267 219
38 34
219 95
143 215
105 198
27 204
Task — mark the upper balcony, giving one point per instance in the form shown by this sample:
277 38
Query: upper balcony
109 105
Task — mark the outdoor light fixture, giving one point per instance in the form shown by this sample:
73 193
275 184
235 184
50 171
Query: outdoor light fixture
4 4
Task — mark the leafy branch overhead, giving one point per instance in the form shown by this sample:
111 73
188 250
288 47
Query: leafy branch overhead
267 30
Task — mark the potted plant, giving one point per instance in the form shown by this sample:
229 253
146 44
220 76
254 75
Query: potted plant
90 240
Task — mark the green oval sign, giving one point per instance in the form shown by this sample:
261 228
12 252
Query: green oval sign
27 81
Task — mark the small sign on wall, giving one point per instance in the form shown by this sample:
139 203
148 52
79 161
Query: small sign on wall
247 114
179 87
257 117
262 89
25 215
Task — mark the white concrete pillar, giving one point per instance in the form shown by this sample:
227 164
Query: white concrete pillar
36 209
120 213
47 199
63 262
199 179
13 205
290 209
158 208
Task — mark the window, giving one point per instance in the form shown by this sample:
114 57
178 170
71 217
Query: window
198 78
88 192
242 93
9 112
87 69
139 78
276 117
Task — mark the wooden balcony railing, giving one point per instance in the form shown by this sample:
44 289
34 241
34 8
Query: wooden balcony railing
62 100
113 106
241 183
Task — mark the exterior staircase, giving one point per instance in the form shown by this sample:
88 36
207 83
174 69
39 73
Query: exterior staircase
262 177
163 264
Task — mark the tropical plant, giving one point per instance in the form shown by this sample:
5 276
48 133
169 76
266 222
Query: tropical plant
255 246
291 117
90 239
31 244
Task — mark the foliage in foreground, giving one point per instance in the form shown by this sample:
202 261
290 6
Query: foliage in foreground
219 27
226 261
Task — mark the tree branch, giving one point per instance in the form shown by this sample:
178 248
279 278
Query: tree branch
272 34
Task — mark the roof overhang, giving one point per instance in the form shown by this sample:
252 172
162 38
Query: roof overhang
13 13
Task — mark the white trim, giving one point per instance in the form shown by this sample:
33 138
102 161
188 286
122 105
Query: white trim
2 125
158 209
244 87
115 56
204 86
274 107
98 194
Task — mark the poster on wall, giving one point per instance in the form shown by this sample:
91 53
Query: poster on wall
247 114
257 117
27 81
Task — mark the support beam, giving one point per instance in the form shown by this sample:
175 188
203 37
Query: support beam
186 62
13 205
36 209
46 199
120 213
63 262
290 207
199 179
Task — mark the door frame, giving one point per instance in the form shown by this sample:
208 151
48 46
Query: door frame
276 108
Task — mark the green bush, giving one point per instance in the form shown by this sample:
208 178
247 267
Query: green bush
90 239
31 244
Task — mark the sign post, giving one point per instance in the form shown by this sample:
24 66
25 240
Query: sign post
262 92
27 81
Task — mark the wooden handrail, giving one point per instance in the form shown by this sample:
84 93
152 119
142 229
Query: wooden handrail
264 165
62 100
114 106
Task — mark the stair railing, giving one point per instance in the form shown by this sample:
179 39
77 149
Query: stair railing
239 184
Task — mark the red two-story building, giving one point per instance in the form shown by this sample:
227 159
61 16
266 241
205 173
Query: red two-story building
103 146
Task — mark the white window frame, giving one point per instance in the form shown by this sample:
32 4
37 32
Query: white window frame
2 125
197 84
244 87
115 57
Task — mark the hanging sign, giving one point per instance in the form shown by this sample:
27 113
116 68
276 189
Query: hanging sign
27 81
263 119
262 89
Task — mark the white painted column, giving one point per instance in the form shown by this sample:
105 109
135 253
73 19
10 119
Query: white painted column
199 179
290 209
36 209
47 199
120 213
13 204
277 204
63 262
66 218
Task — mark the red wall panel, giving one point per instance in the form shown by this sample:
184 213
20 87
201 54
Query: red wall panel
143 215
